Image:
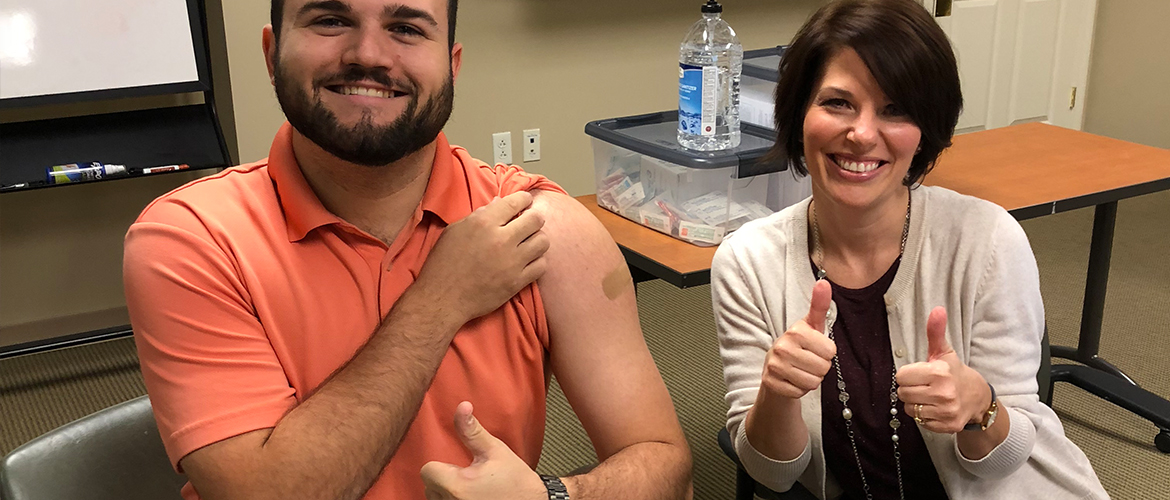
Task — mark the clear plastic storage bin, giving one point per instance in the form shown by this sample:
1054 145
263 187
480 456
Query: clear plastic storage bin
644 175
757 87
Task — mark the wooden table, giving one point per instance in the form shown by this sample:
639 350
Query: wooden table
1031 170
1037 169
652 254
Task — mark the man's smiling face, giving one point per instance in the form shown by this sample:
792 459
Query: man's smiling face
369 81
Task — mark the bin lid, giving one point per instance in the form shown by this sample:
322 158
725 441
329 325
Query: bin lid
656 135
763 63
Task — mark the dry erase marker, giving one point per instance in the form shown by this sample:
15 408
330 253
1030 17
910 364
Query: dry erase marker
167 168
72 172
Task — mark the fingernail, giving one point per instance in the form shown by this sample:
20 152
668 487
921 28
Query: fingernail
470 420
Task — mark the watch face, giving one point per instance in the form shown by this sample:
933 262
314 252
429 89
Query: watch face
991 414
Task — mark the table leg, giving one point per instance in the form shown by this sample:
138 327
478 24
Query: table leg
1096 283
1100 377
639 275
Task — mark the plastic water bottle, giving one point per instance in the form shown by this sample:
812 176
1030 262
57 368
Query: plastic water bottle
710 64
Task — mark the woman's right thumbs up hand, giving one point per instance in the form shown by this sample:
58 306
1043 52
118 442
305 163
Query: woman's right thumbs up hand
800 358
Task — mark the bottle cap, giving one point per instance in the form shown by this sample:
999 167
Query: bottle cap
712 7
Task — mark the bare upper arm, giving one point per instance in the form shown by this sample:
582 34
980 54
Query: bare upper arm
597 351
227 468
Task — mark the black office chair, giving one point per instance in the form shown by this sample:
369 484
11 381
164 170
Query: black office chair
114 454
1120 392
746 487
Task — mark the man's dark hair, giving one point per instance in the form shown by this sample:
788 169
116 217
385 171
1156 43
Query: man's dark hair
905 50
277 16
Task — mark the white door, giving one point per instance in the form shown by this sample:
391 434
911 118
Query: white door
1020 60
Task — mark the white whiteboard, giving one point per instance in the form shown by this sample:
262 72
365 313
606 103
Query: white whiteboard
61 46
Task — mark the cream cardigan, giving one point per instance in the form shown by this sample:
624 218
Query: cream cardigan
963 253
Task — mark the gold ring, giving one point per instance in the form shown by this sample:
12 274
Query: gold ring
918 412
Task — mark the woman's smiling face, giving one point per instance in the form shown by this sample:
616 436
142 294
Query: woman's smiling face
857 144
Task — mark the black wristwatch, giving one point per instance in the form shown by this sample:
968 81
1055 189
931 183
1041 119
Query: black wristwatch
556 489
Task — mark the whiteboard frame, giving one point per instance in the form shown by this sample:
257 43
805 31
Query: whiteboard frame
198 17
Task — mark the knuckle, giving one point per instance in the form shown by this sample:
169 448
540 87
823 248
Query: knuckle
928 377
774 371
950 410
542 241
774 386
519 200
809 383
782 349
786 389
539 267
427 470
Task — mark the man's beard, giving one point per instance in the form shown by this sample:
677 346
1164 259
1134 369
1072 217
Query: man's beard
365 143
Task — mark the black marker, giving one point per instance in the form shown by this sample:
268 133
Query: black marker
14 186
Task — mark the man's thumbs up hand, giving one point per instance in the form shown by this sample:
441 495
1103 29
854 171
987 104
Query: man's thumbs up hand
495 471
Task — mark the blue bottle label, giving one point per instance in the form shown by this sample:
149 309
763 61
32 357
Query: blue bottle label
697 99
690 99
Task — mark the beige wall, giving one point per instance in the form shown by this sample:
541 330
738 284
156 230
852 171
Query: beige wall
548 64
61 248
1129 76
61 255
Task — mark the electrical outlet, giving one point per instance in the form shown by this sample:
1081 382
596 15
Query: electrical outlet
532 144
502 147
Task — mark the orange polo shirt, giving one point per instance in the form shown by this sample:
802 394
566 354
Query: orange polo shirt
245 294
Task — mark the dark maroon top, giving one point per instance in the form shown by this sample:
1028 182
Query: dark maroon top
862 334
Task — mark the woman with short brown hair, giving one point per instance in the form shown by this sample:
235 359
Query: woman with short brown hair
881 339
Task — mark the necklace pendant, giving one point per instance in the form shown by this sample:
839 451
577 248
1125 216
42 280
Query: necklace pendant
821 274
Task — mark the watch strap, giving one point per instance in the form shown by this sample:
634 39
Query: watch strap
556 488
982 424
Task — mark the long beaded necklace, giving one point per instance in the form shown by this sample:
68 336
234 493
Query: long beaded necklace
847 414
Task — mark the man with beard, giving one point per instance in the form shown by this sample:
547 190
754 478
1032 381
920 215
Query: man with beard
308 325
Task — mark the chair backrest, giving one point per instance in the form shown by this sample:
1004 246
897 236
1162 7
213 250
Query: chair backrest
113 454
1044 376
